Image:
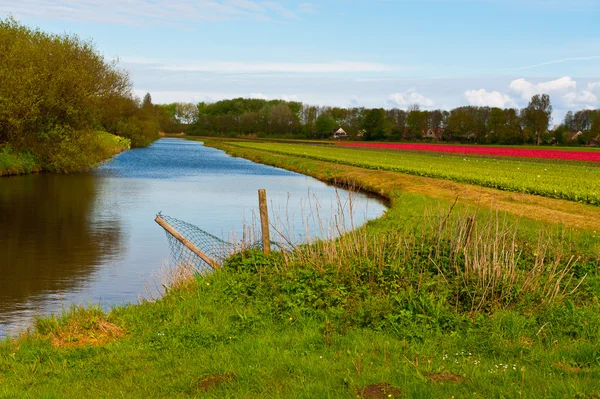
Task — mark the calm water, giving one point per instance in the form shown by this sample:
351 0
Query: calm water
91 237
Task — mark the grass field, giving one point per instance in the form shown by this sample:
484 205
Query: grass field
574 181
437 299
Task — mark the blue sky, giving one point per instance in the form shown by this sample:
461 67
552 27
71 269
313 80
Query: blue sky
377 53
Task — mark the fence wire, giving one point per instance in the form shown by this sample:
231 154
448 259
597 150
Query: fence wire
216 248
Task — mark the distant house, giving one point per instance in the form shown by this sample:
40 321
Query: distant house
574 135
339 134
433 133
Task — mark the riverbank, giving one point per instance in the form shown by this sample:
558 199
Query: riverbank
17 164
90 151
435 299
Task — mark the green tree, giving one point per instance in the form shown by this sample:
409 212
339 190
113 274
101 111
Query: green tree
537 116
374 124
324 126
56 91
147 102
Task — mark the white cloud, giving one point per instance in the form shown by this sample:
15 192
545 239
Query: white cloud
593 86
289 97
582 99
271 67
483 98
144 12
527 89
563 92
280 10
409 97
307 8
258 96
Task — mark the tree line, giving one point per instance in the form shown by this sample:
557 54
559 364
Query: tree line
467 124
58 97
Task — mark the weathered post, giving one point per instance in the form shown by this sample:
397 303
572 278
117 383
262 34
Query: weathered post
163 223
264 220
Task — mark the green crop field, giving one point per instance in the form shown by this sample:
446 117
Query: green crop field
556 179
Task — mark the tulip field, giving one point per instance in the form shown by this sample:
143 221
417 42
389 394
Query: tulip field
570 180
566 155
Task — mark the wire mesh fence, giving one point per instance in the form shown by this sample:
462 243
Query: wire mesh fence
215 248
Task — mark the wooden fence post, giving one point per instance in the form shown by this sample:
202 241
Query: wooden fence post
163 223
264 221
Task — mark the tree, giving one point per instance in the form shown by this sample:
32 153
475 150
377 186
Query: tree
374 124
595 128
569 121
537 116
57 91
461 124
324 126
416 122
186 113
147 102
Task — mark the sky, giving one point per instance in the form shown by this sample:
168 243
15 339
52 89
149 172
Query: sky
439 54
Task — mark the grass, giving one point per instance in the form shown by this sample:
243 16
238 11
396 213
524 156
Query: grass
574 181
88 150
17 163
435 299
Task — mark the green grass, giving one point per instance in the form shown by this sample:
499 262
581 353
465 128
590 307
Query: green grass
17 163
404 301
84 152
554 179
229 323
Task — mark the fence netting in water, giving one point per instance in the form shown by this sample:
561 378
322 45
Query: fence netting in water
216 248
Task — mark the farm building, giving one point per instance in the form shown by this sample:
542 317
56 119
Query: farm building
339 134
433 133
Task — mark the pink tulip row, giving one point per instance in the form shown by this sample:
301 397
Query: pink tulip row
569 155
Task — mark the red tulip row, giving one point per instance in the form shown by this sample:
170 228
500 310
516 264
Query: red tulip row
569 155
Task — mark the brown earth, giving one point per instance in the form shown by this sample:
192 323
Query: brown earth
379 391
211 381
444 377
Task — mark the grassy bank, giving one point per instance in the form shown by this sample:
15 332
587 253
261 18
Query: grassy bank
436 299
17 164
574 181
73 155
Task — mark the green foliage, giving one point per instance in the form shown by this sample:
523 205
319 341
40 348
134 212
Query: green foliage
324 125
278 328
374 124
247 116
17 163
84 150
55 90
537 116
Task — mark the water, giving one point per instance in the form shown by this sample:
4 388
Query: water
91 237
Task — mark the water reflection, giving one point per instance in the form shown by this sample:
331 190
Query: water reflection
48 242
92 238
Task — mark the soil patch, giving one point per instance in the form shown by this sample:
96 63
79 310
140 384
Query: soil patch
444 377
211 381
379 391
567 368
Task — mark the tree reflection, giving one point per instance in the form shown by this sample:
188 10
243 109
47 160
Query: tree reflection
48 241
